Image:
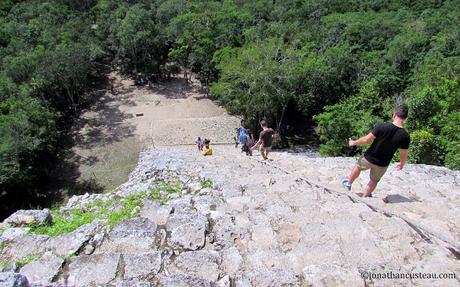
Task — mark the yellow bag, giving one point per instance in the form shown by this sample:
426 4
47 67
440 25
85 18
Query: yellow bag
208 151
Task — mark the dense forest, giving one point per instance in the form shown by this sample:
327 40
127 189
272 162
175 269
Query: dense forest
341 64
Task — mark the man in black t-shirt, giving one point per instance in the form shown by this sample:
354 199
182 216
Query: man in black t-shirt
386 139
265 140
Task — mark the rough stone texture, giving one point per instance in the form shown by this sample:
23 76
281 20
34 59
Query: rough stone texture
181 204
231 260
130 283
11 279
271 228
136 235
273 210
141 265
155 212
289 235
326 275
273 277
181 280
12 233
203 264
205 204
24 246
96 269
224 282
224 230
43 270
29 217
71 243
187 230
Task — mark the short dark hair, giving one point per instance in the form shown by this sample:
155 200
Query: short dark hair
263 123
402 111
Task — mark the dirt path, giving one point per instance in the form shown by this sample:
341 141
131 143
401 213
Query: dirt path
129 118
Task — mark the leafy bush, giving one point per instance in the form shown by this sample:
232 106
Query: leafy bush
425 148
450 136
350 118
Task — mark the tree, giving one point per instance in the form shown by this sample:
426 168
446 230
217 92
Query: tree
137 41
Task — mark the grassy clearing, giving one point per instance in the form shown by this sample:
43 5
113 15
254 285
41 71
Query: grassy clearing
115 162
109 212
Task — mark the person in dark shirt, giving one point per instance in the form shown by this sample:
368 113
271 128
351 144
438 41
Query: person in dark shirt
386 139
265 140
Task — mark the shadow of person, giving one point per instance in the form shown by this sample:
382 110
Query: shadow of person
397 198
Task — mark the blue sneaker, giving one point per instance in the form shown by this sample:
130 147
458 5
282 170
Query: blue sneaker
346 185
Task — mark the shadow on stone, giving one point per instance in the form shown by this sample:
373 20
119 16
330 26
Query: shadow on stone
397 198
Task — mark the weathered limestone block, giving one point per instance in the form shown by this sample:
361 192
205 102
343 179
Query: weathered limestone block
231 260
14 232
181 280
203 264
11 279
187 230
96 269
141 265
71 243
29 217
204 204
132 283
330 275
272 277
44 270
155 212
131 236
23 246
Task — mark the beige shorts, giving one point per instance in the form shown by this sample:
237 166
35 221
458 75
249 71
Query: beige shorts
376 172
265 149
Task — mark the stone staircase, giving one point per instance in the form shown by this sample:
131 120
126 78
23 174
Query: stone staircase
284 222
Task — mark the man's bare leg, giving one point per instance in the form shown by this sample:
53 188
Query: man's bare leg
371 185
264 154
354 175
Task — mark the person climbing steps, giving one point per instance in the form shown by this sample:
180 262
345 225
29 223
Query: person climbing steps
386 139
265 140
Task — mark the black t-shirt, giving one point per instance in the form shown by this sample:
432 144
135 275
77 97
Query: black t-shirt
267 137
388 139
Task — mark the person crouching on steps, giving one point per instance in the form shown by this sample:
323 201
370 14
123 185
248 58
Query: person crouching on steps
199 143
247 144
265 140
386 139
207 148
250 142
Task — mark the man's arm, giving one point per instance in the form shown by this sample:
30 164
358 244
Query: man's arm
259 142
403 156
363 140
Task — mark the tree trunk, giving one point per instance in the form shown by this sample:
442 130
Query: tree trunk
281 118
74 106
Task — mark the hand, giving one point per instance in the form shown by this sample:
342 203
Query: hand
399 166
351 142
